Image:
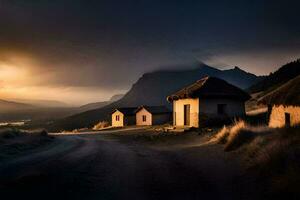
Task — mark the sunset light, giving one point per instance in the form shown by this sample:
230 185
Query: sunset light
137 99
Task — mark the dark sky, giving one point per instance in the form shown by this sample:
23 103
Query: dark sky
88 50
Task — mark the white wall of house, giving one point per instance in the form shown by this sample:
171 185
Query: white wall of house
232 107
147 116
178 112
114 119
278 116
209 107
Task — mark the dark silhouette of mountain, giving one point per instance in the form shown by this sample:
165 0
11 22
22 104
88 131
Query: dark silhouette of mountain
153 88
276 79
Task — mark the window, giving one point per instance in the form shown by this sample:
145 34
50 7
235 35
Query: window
221 109
144 118
117 117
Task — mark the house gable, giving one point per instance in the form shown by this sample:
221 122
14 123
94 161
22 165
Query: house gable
143 117
117 118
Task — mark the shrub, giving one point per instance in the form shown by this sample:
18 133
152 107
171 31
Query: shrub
12 133
38 133
9 133
101 125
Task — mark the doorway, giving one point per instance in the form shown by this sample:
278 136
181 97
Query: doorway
187 112
287 117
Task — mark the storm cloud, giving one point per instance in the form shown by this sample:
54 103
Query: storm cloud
97 48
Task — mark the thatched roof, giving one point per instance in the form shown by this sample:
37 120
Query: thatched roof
287 94
127 111
210 87
155 109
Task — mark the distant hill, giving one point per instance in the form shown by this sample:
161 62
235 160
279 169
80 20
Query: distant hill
276 79
153 88
286 94
42 103
91 106
14 111
95 105
11 106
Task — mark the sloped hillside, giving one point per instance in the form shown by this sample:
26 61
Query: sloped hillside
279 77
288 93
11 106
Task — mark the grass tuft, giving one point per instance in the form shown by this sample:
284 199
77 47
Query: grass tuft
221 136
101 125
239 134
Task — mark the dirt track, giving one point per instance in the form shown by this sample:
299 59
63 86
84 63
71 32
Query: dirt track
118 167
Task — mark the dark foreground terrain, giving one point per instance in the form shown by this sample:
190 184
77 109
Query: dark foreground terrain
124 165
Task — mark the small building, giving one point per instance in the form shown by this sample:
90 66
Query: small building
152 115
123 117
207 98
284 105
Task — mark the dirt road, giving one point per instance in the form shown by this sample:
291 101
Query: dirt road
102 166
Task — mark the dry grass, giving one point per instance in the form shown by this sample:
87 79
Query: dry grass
238 134
275 159
257 111
221 136
101 125
272 156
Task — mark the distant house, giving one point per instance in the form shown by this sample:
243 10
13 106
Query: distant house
284 105
152 115
123 116
208 97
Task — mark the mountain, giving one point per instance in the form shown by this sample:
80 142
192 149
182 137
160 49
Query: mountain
276 79
153 88
42 103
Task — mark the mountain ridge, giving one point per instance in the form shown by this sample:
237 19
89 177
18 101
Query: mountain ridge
277 78
152 88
